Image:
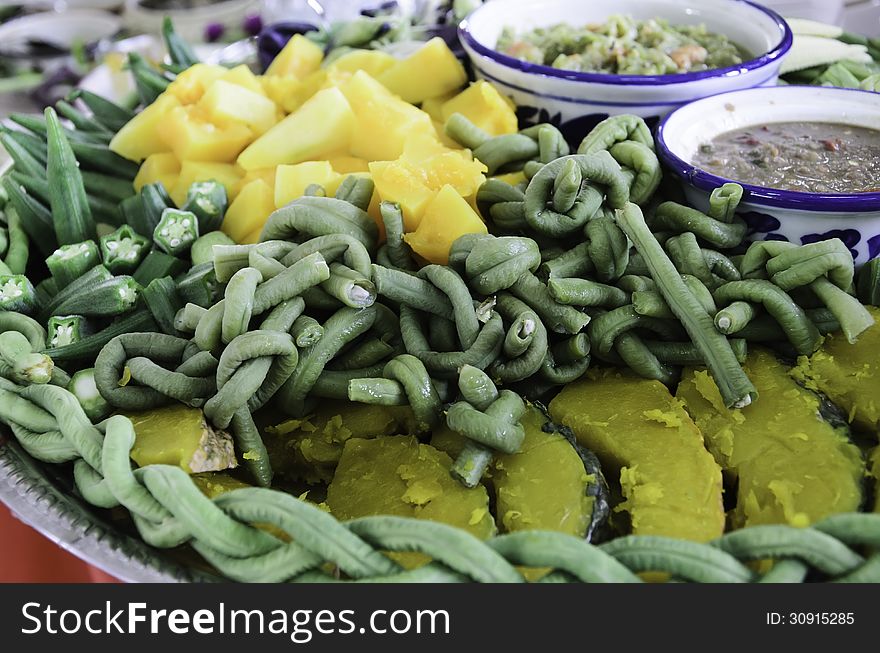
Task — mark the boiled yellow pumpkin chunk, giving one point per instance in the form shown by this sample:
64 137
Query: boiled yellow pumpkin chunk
228 104
434 106
191 84
790 466
298 95
242 76
383 121
253 237
670 484
193 171
397 182
322 125
849 374
181 436
249 211
266 174
447 217
299 57
278 88
483 105
430 71
139 137
439 165
458 170
345 164
397 475
192 137
291 182
160 167
373 62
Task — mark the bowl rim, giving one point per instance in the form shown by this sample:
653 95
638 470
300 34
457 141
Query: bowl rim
783 199
773 55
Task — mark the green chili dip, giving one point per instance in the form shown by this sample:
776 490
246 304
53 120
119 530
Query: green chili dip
623 45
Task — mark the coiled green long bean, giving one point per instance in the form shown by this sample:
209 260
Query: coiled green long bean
495 264
525 344
825 267
138 352
606 182
321 216
799 330
341 328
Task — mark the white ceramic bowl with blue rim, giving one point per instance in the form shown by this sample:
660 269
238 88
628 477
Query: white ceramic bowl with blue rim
576 101
778 214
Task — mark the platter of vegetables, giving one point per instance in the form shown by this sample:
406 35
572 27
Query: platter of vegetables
346 321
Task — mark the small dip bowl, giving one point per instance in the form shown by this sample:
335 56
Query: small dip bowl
772 214
576 101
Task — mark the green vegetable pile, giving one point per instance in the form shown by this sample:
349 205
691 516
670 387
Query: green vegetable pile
589 257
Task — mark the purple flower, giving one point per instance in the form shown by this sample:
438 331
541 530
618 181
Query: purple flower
252 24
850 238
214 32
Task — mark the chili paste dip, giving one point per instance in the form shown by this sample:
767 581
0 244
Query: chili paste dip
808 157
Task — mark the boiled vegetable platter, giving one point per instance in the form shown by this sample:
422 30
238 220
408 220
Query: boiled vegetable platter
175 494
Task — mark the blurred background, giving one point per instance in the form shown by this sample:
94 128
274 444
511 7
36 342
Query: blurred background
49 46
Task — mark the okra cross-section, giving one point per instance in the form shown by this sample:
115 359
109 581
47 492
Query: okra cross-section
16 293
123 250
177 231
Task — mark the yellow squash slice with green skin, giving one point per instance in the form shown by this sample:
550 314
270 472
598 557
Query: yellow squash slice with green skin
670 484
180 435
848 374
790 465
398 475
310 448
545 485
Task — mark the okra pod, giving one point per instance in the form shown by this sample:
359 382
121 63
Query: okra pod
69 262
71 215
17 294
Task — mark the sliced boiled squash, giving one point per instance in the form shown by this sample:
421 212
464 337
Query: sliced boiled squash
139 137
383 120
292 181
249 211
447 217
397 475
299 57
670 483
190 134
322 125
849 374
226 103
790 465
242 76
162 167
485 106
430 71
372 62
191 84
